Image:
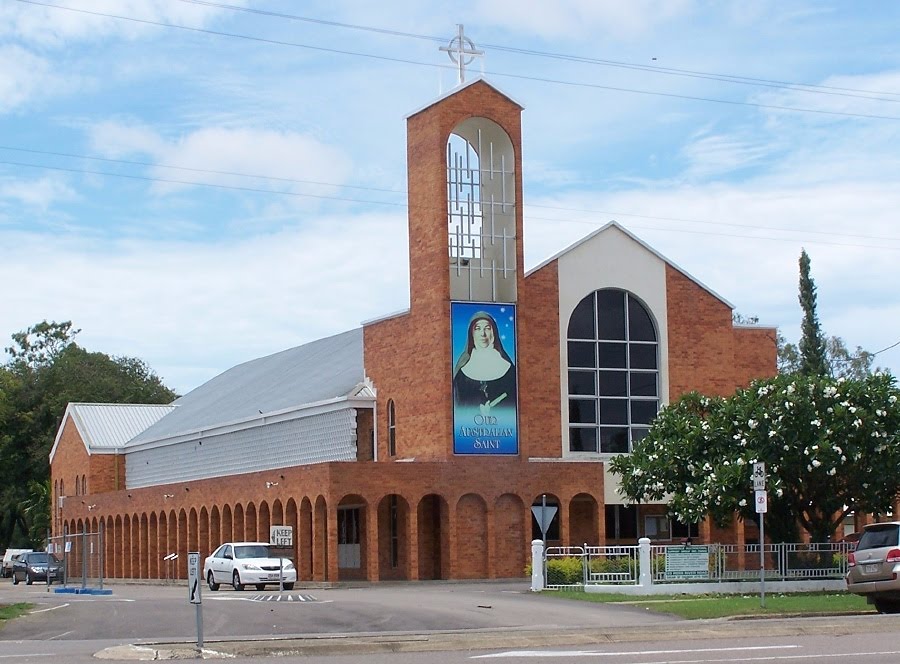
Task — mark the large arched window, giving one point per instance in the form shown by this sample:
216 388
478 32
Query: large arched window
613 372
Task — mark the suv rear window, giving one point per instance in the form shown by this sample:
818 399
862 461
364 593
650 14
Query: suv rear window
879 536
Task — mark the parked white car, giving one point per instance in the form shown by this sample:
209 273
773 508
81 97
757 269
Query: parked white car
247 563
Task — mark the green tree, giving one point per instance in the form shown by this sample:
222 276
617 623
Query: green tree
812 342
46 372
830 446
839 360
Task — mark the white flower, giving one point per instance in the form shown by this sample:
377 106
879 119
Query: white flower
752 423
790 389
816 463
816 422
892 398
689 489
852 409
743 502
857 423
772 433
833 471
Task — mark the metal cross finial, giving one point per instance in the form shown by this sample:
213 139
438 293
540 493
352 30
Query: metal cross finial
462 52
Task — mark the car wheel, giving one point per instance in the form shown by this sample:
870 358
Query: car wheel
288 586
210 582
885 606
15 580
28 579
236 581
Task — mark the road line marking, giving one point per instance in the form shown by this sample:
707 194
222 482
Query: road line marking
52 608
59 636
31 654
595 653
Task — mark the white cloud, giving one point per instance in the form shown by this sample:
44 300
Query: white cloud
283 155
191 310
25 75
40 194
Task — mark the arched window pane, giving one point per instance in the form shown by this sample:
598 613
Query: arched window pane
613 440
582 382
581 324
611 356
613 384
642 356
643 384
640 326
643 412
583 411
583 439
581 354
610 314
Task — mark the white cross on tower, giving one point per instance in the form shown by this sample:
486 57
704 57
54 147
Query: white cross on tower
462 52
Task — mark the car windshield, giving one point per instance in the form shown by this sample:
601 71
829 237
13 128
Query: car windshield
878 537
254 551
41 558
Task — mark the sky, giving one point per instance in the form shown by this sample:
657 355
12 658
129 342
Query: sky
197 184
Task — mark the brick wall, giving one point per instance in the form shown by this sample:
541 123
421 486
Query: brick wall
539 371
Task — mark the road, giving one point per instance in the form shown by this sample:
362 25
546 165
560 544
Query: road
439 623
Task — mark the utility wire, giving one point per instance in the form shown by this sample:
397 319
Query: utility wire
595 86
608 213
404 205
729 78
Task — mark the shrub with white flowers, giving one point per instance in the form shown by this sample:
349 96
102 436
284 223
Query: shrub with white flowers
830 446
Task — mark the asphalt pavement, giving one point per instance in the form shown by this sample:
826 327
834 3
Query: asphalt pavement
147 622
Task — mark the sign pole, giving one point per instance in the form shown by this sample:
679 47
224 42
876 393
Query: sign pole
762 560
761 499
195 594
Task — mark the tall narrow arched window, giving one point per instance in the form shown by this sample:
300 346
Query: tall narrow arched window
613 363
392 429
84 485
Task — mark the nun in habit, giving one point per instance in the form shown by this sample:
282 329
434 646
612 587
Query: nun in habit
484 375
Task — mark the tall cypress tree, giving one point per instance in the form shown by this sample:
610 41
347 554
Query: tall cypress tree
813 360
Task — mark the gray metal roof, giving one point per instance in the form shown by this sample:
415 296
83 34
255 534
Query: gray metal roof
318 371
109 426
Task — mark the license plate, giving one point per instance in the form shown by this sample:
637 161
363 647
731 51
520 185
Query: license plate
273 577
870 569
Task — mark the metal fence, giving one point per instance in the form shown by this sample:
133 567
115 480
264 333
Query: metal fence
82 556
577 566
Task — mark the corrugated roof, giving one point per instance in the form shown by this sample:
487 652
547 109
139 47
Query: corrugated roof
320 370
109 426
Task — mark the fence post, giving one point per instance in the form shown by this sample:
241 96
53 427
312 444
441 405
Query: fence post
646 577
537 565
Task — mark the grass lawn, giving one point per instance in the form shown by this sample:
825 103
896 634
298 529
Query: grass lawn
725 606
10 611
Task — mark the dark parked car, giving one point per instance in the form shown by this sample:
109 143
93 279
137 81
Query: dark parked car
874 567
36 566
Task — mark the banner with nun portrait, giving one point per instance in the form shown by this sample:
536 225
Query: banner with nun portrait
485 386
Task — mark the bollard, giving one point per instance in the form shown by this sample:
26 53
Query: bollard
537 565
646 578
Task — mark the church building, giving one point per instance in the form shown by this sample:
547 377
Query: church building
414 446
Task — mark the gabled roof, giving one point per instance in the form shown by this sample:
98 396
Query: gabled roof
632 236
321 370
460 88
107 427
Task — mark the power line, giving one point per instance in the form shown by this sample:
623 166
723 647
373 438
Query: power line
729 78
212 185
404 205
538 79
198 170
608 213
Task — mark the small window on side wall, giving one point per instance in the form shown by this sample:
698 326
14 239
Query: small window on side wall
392 429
